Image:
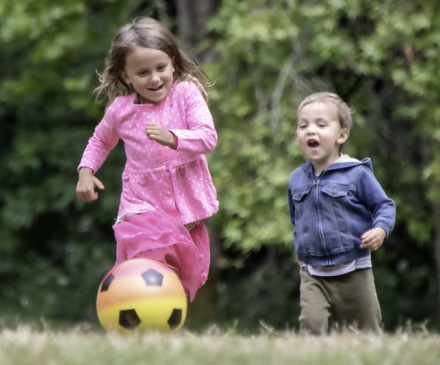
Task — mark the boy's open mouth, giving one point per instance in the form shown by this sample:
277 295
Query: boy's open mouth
159 88
312 143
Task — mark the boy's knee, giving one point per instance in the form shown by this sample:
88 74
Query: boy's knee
313 324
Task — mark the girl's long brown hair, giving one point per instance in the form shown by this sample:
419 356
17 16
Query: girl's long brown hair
148 33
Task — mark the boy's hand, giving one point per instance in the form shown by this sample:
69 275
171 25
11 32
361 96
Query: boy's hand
85 190
155 132
373 238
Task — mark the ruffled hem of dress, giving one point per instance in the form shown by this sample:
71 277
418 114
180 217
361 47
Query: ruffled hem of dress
153 236
194 218
125 215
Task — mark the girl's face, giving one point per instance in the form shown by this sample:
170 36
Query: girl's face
150 71
319 134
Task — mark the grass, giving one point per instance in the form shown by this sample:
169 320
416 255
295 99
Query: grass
27 346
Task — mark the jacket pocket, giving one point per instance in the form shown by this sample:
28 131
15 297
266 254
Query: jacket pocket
304 232
300 195
335 191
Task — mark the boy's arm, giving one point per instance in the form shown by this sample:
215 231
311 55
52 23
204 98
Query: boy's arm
291 205
373 238
373 196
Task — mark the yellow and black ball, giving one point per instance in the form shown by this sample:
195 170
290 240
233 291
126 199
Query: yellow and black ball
141 295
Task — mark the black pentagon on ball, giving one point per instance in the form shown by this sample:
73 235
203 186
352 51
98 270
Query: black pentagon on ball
106 283
129 319
152 277
175 318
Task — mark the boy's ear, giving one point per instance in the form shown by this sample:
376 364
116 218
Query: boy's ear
343 136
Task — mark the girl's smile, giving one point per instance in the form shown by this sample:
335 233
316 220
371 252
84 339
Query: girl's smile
150 71
158 89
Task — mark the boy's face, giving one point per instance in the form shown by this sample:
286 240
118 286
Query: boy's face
319 134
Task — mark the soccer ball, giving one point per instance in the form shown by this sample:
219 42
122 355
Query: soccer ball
141 295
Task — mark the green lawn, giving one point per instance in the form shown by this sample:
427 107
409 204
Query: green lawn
25 346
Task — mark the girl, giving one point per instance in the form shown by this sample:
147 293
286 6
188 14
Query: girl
158 107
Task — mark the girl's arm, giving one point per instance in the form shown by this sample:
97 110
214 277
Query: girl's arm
103 140
200 137
85 190
155 132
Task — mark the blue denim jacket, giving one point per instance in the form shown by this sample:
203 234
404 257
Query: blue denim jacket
332 211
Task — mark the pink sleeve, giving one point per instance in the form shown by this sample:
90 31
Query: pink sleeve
104 139
201 136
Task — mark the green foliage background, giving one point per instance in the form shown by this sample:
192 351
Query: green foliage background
266 56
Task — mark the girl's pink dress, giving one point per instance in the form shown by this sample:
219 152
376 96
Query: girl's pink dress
162 188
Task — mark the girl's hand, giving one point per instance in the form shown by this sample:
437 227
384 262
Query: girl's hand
155 132
85 190
373 238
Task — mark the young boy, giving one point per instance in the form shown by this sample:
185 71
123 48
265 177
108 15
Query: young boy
340 214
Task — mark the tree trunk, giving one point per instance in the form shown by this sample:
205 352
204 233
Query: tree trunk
192 16
204 310
436 216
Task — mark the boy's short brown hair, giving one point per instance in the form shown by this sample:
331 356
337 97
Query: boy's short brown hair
344 111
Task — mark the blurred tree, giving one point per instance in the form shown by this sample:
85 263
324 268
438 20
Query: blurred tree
54 248
192 16
381 57
265 56
191 19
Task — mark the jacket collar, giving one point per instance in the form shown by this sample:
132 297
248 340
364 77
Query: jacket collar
342 163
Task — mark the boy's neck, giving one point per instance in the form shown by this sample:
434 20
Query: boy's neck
320 167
